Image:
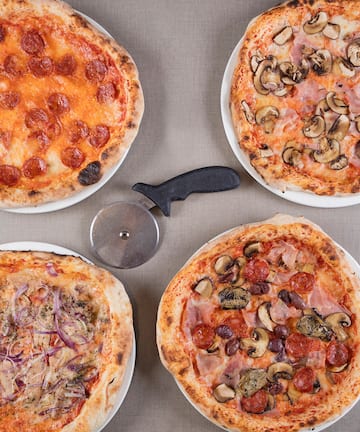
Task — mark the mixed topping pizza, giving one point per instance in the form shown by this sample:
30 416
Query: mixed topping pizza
294 97
260 324
56 327
70 102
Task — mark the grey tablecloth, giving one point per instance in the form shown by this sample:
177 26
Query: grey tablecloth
181 48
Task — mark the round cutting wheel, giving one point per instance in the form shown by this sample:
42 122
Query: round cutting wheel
124 235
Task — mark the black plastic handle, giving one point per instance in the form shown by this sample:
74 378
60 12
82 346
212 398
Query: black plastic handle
208 179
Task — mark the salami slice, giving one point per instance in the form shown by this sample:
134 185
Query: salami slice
41 66
95 71
9 175
106 93
58 103
302 282
34 167
72 157
256 270
99 136
203 336
32 42
36 118
79 130
13 65
337 354
304 379
255 404
9 99
66 65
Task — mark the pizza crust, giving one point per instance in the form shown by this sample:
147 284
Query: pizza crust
172 345
313 177
118 346
120 142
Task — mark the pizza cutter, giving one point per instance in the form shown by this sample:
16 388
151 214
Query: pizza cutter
125 234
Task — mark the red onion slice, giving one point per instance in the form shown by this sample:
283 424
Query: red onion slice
51 269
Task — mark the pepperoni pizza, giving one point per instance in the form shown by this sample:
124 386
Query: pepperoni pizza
65 340
295 96
70 102
260 328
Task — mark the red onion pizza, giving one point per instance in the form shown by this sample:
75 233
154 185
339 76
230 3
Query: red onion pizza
65 340
295 96
260 328
70 102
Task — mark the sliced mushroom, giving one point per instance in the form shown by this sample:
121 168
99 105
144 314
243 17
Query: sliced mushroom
248 113
223 393
266 117
292 394
292 74
283 35
353 52
321 62
252 248
337 105
240 261
222 264
255 60
357 122
357 149
257 344
280 370
322 107
265 67
204 287
314 326
231 275
234 298
337 321
339 163
214 348
292 156
314 127
332 31
316 24
264 316
340 128
266 151
337 369
344 67
328 151
316 386
281 91
251 381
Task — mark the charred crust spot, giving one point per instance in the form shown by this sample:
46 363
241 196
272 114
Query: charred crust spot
131 125
119 358
246 137
301 424
182 371
312 421
33 193
90 174
294 3
136 85
252 156
104 155
169 320
110 382
124 59
332 258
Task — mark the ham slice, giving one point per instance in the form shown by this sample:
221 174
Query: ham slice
279 312
316 359
250 318
286 251
283 277
196 312
323 301
231 373
207 365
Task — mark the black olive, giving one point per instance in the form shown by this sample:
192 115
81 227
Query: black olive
90 174
259 288
275 388
224 331
284 296
281 331
232 346
276 345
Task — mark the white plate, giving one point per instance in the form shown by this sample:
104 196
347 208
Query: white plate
129 371
356 269
299 197
88 190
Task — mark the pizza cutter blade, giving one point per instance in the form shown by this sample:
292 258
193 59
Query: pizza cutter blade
125 234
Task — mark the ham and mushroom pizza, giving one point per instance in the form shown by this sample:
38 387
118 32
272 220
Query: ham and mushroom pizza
260 328
70 102
295 96
65 340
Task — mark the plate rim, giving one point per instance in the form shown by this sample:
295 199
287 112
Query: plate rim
89 190
354 266
295 196
61 250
